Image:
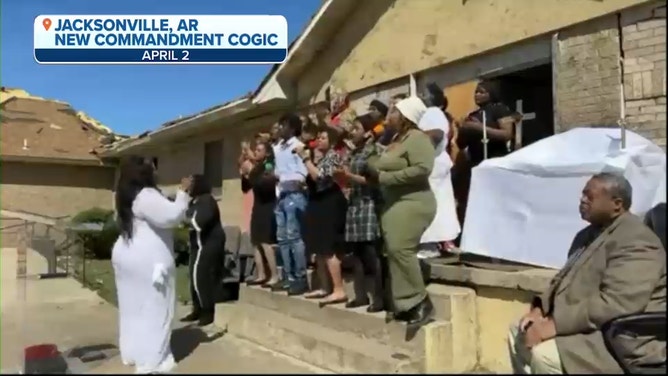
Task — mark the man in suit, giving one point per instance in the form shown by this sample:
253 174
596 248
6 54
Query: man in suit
616 266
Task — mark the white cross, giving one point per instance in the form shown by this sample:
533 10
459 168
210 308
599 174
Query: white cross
518 126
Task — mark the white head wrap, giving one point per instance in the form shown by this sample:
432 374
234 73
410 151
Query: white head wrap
412 108
434 118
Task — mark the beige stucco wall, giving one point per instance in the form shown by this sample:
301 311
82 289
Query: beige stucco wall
500 298
497 309
360 99
414 35
185 156
55 190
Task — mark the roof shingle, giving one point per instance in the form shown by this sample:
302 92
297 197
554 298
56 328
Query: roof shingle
35 127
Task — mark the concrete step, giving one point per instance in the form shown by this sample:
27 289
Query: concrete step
437 347
444 297
371 326
447 301
340 352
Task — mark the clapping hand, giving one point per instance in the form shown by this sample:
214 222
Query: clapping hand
371 174
470 123
246 167
245 146
186 183
342 170
301 151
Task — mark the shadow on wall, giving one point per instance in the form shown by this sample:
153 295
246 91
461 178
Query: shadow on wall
351 31
54 175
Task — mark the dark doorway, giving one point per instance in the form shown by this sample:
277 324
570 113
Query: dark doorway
529 92
213 165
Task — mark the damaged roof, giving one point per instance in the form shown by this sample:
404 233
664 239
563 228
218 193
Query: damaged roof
34 127
210 109
184 121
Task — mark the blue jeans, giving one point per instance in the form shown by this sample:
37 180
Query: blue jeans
288 212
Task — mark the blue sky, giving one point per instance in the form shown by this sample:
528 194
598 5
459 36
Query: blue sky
132 99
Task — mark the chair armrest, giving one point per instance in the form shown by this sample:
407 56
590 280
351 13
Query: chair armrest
649 323
637 321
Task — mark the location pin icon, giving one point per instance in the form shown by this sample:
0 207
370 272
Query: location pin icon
46 23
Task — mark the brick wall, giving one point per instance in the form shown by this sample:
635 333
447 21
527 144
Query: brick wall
587 74
55 190
644 48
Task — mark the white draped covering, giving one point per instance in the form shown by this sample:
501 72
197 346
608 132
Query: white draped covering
445 225
145 282
524 207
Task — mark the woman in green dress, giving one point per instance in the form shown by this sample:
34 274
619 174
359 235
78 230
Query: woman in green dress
402 172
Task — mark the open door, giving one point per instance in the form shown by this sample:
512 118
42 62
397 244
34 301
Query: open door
460 104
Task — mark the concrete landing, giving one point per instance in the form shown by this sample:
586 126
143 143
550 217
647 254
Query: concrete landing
350 340
49 311
62 312
226 355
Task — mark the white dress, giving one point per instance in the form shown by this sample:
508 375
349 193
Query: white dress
145 282
445 225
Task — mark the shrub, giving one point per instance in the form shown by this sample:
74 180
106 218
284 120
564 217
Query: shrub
98 244
181 245
93 215
181 239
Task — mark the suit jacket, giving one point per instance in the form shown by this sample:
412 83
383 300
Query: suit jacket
612 272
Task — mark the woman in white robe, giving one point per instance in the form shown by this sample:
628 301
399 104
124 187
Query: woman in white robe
143 262
445 227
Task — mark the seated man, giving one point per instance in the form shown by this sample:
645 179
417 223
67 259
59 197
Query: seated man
616 266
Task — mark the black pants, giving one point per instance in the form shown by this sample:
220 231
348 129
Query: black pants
374 266
387 284
206 268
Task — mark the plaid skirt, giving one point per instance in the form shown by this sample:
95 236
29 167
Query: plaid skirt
362 221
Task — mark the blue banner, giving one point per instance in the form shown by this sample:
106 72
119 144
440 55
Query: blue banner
159 56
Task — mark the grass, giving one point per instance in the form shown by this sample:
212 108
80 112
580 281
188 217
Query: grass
99 277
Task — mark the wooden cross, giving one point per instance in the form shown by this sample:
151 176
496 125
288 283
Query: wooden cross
518 126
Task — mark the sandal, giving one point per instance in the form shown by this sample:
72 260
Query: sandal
316 295
325 303
257 282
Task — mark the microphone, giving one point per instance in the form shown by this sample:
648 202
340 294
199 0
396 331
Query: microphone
311 145
375 132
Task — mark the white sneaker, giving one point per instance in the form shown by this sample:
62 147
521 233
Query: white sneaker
428 254
213 331
166 367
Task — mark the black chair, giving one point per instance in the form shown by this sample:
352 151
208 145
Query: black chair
656 220
650 323
228 288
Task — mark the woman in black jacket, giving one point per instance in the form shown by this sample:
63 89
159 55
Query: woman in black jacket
207 251
262 181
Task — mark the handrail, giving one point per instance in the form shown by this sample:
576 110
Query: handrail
31 217
22 224
28 224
